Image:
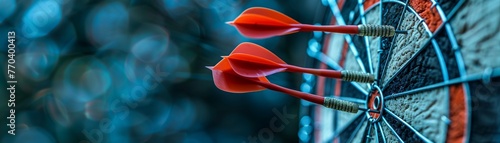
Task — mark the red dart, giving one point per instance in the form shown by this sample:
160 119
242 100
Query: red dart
227 80
259 22
252 60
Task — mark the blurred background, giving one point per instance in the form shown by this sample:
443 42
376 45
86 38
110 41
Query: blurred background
132 71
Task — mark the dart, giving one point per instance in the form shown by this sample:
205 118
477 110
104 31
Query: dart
259 22
252 60
227 80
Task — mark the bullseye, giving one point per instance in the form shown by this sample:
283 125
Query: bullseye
375 102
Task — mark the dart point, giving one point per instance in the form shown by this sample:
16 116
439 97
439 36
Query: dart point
209 67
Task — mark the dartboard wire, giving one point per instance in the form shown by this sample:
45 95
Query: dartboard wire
340 21
368 130
314 52
366 38
376 132
440 57
444 71
389 56
363 118
420 135
392 130
441 11
380 50
381 132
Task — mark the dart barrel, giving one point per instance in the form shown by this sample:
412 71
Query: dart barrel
376 30
341 105
357 76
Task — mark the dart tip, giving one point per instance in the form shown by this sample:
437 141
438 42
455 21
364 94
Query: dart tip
223 57
209 67
230 23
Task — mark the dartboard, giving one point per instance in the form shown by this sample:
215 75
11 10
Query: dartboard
439 82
